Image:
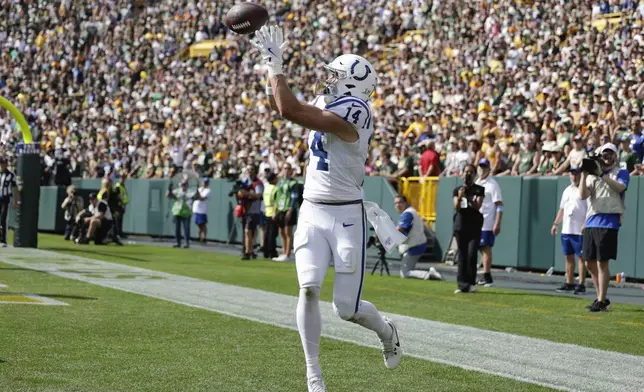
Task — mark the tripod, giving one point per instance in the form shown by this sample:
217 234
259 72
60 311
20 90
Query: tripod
382 261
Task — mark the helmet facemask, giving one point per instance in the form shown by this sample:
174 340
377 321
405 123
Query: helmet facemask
330 86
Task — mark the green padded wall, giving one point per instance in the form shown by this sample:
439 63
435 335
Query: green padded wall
538 209
506 247
444 212
628 235
51 216
639 256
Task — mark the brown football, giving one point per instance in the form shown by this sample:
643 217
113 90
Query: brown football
246 18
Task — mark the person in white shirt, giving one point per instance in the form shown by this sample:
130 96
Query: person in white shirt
200 209
451 164
492 210
572 213
463 156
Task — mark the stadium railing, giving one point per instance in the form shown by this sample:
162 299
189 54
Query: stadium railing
421 195
610 21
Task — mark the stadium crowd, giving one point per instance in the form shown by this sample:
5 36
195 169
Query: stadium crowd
108 87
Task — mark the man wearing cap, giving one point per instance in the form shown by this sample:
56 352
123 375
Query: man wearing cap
200 209
8 189
572 213
604 185
492 210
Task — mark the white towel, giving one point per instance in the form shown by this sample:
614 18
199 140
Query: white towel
383 225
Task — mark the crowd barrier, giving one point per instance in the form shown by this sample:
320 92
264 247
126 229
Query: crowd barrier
421 195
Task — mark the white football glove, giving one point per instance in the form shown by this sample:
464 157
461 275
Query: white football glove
271 44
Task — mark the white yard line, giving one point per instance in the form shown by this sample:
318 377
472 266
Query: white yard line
555 365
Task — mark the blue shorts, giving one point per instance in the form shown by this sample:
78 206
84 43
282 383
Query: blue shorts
487 239
571 244
201 219
262 219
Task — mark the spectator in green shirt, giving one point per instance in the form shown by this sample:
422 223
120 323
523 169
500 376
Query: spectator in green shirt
386 167
627 158
288 200
405 163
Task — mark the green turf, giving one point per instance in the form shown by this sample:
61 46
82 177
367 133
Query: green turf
109 340
556 318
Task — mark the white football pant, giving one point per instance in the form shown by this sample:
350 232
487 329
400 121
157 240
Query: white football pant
332 234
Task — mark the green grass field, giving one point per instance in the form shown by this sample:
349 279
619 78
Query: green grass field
109 340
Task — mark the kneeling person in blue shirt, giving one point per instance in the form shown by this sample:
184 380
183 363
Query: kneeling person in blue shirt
415 246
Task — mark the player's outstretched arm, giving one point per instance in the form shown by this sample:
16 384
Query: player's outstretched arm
270 42
309 116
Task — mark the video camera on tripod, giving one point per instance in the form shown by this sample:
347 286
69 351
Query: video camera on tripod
374 241
382 252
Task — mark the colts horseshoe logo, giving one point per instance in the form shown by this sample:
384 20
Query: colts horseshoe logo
353 71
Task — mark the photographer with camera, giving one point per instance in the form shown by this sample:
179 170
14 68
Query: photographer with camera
412 226
604 185
468 225
72 205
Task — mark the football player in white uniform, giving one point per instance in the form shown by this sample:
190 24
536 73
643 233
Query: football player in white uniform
332 224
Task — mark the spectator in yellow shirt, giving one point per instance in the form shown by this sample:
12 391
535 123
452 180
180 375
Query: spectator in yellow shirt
491 151
418 127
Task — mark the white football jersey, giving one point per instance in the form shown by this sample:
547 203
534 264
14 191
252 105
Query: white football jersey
336 169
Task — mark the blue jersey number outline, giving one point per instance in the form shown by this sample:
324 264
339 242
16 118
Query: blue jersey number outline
356 115
317 148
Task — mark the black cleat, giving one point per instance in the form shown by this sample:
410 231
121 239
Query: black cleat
486 282
580 289
591 305
600 306
566 288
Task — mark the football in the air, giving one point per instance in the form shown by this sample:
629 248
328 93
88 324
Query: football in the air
246 18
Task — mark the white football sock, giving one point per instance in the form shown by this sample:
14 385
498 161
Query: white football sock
416 274
369 317
309 324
